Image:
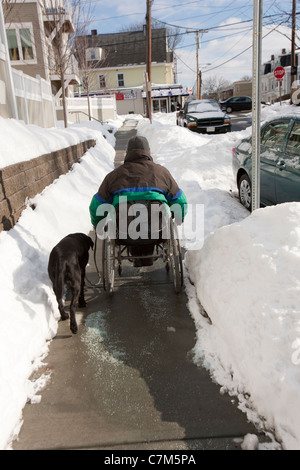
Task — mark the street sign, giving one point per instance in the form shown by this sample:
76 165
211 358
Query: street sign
279 73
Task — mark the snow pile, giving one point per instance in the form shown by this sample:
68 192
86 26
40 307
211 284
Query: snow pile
244 269
29 315
21 142
247 279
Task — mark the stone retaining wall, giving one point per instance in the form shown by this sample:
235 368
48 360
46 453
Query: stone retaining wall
26 179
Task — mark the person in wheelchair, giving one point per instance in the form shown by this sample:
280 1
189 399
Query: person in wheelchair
139 179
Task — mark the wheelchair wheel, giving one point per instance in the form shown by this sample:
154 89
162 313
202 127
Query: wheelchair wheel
108 265
175 257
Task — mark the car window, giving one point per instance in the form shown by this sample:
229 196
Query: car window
274 134
203 107
293 144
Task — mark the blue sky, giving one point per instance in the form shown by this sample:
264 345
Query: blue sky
227 44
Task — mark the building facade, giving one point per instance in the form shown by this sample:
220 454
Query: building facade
271 89
23 96
116 63
8 107
36 31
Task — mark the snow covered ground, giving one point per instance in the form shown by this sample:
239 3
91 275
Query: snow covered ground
244 269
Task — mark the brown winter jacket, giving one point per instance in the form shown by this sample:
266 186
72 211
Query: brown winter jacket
139 178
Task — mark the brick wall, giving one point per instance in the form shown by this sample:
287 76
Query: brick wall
26 179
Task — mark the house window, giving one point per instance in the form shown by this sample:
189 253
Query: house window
20 43
121 79
102 81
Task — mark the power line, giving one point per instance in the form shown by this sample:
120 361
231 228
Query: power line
186 32
225 25
234 57
242 52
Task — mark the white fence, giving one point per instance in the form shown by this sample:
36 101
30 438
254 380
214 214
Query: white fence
34 99
101 108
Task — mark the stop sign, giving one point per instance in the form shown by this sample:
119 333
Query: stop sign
279 73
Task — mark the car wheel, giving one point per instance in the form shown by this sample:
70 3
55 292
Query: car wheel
244 187
229 109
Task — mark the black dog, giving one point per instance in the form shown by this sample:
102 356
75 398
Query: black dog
67 263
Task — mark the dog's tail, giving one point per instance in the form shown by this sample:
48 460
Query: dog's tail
59 283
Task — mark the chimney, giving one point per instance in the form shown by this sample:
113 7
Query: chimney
94 32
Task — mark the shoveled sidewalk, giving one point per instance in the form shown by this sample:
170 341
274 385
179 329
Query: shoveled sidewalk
127 380
122 136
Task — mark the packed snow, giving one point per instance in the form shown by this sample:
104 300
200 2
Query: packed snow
242 270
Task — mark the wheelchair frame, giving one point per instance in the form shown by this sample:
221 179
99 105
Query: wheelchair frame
169 251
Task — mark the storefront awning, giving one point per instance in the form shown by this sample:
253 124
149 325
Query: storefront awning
170 91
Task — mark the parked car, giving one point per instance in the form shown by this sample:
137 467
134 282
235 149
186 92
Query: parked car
204 116
236 103
279 163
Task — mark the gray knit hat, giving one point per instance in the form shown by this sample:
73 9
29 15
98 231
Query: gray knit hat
138 143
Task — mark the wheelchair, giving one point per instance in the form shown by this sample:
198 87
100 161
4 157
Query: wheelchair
162 241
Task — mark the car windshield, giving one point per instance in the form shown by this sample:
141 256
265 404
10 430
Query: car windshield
203 107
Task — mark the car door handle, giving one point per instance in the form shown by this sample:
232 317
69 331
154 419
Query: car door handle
281 165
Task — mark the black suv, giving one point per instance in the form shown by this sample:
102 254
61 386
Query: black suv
236 103
204 116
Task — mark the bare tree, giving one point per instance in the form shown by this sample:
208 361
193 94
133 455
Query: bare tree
213 86
246 78
82 49
63 22
87 63
8 5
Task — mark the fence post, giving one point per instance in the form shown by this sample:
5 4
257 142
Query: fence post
39 78
24 97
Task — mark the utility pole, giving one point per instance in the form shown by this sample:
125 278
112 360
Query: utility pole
198 94
293 55
149 57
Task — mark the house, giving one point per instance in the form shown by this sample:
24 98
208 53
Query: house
22 96
35 30
239 88
271 89
116 63
242 88
8 106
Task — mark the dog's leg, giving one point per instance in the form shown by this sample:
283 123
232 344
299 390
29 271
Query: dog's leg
73 323
75 290
63 314
81 300
57 277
